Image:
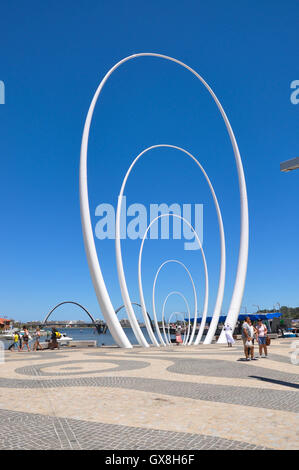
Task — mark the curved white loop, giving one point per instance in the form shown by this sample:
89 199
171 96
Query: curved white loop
119 261
168 325
186 335
206 300
154 293
91 253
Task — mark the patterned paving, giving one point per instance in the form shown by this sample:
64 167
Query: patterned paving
42 432
121 365
182 398
269 399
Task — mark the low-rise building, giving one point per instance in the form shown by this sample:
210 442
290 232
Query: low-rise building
5 324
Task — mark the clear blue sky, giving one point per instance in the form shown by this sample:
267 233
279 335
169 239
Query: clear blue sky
52 57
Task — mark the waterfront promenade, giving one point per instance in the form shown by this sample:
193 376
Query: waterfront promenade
200 397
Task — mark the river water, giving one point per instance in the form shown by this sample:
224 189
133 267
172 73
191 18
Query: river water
90 334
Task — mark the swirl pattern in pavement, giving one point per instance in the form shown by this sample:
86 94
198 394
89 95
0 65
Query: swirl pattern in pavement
121 365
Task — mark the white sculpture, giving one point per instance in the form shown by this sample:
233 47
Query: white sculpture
154 295
92 258
187 333
121 275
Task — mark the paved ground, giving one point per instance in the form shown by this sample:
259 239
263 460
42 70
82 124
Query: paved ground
200 397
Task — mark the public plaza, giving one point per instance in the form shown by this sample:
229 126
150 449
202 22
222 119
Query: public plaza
198 397
140 137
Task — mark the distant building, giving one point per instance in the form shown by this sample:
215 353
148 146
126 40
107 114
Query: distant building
5 324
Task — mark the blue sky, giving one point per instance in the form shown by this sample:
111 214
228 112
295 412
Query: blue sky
52 57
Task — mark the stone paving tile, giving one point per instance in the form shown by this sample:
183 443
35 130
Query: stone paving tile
218 368
263 398
187 366
67 432
25 356
229 369
32 431
122 365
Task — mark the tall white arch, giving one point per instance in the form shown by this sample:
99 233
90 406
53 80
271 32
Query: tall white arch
154 294
206 298
186 335
119 262
90 249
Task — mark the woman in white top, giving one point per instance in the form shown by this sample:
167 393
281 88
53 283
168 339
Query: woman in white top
262 336
229 335
248 333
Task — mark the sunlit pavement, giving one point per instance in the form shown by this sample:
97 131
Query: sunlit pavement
199 397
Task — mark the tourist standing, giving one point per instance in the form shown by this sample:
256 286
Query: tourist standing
253 332
262 338
248 332
178 335
229 335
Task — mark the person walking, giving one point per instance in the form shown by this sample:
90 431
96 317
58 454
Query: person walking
229 335
262 338
25 339
37 344
15 342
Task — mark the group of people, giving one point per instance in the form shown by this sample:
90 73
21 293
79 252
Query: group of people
250 333
22 338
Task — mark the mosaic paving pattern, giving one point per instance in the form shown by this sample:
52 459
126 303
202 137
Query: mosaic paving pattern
269 399
42 432
203 379
121 365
